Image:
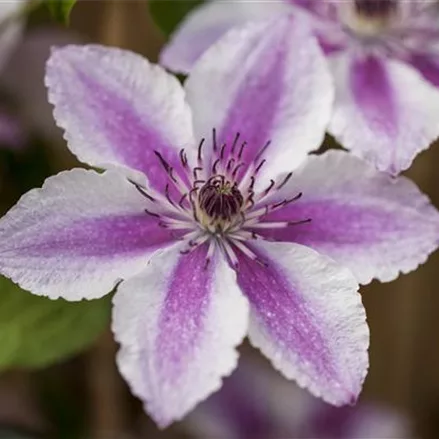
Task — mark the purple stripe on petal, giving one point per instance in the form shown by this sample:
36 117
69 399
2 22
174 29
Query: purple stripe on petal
183 314
106 237
258 99
134 141
280 306
373 94
384 111
334 224
428 66
307 317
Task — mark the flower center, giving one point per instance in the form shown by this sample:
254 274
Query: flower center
219 202
375 8
369 18
215 201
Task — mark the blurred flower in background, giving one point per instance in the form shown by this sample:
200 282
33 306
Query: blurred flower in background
257 403
383 54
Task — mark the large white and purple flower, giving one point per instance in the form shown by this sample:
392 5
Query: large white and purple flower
201 225
384 55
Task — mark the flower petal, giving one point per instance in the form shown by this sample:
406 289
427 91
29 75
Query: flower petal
306 316
78 236
267 82
178 324
207 24
384 111
117 109
374 224
428 65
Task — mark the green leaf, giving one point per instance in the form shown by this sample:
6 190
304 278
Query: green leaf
60 9
36 332
169 13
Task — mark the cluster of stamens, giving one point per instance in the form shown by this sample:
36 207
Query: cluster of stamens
376 8
215 200
369 18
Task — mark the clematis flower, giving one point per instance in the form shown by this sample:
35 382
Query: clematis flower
201 225
384 59
256 403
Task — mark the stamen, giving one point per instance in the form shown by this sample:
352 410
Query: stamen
183 158
220 199
168 195
230 164
258 168
215 165
200 150
177 226
152 213
243 235
194 239
210 251
261 152
195 171
222 151
248 252
182 200
252 184
272 183
215 146
235 171
258 213
229 253
244 144
286 201
163 162
278 225
142 191
375 8
179 184
235 142
285 181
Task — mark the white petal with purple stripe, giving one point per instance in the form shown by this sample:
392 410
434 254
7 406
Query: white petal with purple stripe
117 109
178 324
385 112
79 235
276 88
376 225
307 318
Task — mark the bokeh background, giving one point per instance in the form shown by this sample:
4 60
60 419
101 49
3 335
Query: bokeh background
83 396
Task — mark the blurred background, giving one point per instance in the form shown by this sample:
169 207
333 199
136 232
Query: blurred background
74 391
